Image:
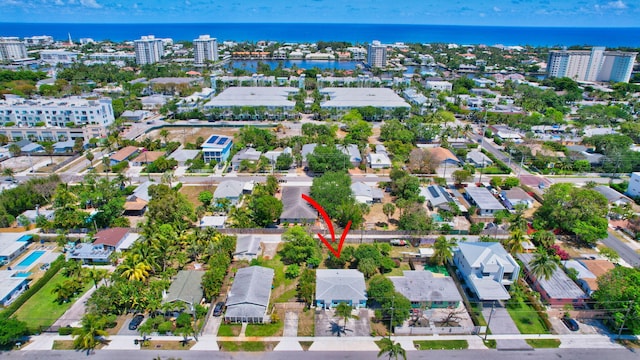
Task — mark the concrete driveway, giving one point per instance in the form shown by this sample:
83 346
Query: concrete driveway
290 324
125 328
327 324
501 324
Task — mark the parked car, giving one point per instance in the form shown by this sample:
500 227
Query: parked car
398 242
217 311
570 323
136 321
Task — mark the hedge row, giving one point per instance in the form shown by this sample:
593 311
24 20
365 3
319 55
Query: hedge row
55 266
497 162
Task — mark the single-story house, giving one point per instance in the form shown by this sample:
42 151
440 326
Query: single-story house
11 286
436 197
134 115
153 102
559 290
182 156
378 160
516 196
216 222
443 156
427 291
248 247
295 209
248 298
186 288
613 196
334 286
485 201
124 154
13 245
355 158
305 151
487 269
478 159
28 147
229 189
32 215
135 206
249 154
62 147
147 157
366 194
597 268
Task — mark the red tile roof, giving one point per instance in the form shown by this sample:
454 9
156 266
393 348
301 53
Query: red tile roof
111 237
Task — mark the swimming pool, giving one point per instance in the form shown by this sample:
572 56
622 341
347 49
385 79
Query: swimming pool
29 260
22 274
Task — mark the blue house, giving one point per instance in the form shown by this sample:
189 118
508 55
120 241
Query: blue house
335 286
12 284
217 147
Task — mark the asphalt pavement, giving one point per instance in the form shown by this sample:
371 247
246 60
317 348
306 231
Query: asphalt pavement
626 253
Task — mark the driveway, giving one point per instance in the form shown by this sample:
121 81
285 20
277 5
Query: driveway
501 324
327 324
125 328
73 316
290 324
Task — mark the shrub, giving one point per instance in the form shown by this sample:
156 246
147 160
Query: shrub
68 330
165 327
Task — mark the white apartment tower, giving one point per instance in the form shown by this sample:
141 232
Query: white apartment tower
591 65
11 48
205 49
149 50
377 54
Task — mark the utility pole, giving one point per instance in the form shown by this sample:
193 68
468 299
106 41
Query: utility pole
393 303
486 332
626 315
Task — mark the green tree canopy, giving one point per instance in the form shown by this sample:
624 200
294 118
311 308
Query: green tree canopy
327 158
619 292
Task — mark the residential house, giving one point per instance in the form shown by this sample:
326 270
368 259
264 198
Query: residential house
487 269
596 267
28 147
436 197
295 210
229 189
153 102
478 159
634 185
250 155
12 285
134 115
351 150
516 196
334 286
13 245
248 298
137 202
147 157
559 290
378 160
124 154
426 291
62 147
614 197
182 156
216 147
306 150
185 289
248 247
443 156
216 222
366 194
487 204
106 242
32 215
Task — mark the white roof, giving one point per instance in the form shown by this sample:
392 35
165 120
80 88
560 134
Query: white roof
213 221
253 96
361 97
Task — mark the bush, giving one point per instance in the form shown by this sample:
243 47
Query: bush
68 330
165 327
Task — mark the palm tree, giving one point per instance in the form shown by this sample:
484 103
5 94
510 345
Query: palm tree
442 250
164 133
544 238
15 150
343 310
90 157
168 177
48 149
90 334
134 268
515 241
393 349
543 264
63 292
8 172
96 275
388 209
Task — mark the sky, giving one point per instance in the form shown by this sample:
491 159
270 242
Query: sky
564 13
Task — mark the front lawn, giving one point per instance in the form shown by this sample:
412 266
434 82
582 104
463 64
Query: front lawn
273 329
167 345
441 344
229 330
42 309
526 318
306 323
257 346
543 343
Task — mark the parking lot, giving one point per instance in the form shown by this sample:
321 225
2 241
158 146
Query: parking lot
327 324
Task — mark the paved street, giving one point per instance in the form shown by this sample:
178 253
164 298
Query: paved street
626 253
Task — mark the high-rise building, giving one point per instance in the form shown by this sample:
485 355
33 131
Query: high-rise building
377 54
149 50
205 49
591 65
11 48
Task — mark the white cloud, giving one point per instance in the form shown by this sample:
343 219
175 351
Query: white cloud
187 2
90 4
616 5
496 9
59 2
482 15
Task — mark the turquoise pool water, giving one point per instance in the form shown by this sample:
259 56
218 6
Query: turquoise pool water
22 274
437 217
29 260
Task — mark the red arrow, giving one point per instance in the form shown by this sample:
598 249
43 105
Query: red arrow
326 219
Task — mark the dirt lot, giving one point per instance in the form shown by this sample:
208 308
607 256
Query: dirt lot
192 192
22 163
327 324
190 134
376 219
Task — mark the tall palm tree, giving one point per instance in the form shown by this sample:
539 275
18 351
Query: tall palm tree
393 349
543 238
96 275
515 241
90 334
343 311
543 264
442 250
134 268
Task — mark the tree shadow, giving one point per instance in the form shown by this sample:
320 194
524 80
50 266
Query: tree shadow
337 330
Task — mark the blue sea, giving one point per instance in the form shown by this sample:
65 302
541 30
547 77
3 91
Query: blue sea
354 33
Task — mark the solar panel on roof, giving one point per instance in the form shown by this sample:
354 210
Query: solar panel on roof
213 139
434 192
222 140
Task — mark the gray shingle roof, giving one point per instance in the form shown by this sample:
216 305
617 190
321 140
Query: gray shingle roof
187 287
611 194
294 207
486 255
250 291
423 286
228 189
248 244
338 284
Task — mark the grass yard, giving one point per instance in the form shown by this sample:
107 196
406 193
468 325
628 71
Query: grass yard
306 345
167 345
273 329
491 344
306 323
543 343
41 310
62 345
286 296
229 330
398 271
441 344
257 346
630 344
192 192
526 318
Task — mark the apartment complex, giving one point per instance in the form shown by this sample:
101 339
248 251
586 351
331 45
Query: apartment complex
11 48
205 49
377 54
148 49
591 65
54 57
55 119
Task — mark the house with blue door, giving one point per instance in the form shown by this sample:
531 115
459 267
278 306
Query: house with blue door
335 286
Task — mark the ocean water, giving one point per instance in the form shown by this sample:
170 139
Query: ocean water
354 33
